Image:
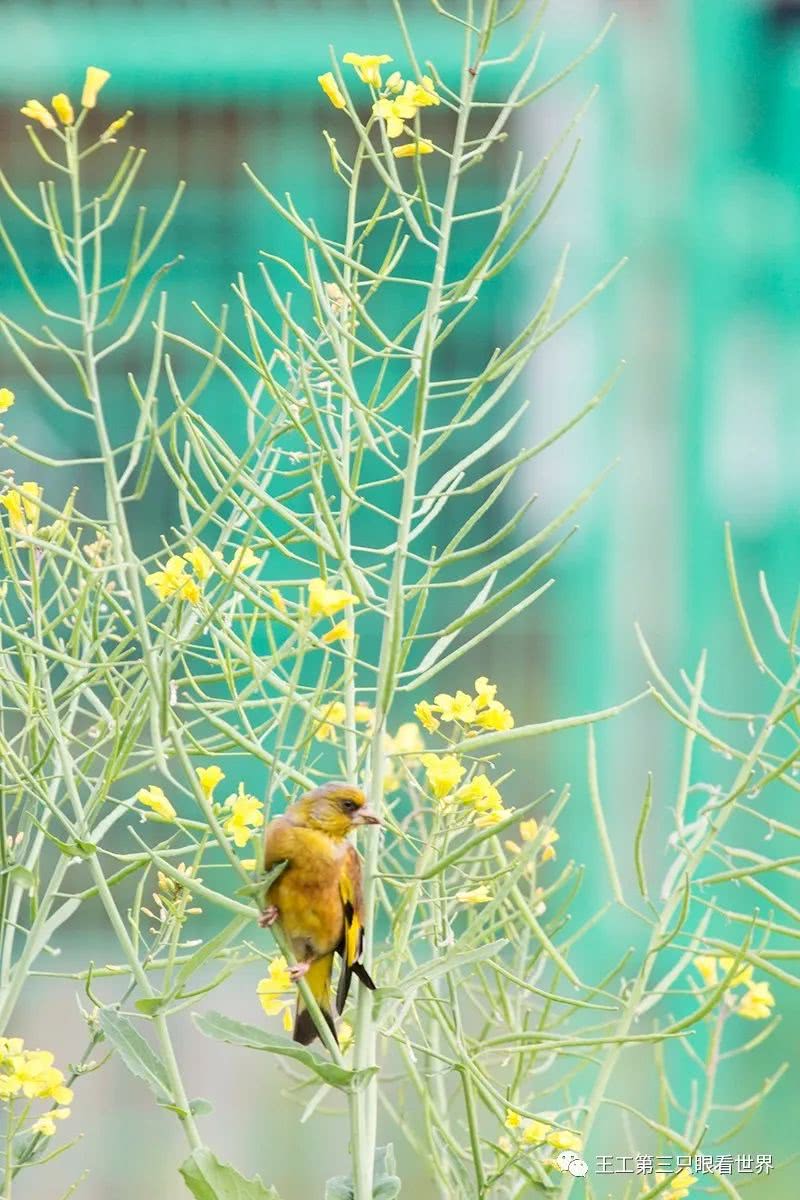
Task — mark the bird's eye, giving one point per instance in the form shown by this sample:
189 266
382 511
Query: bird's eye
349 805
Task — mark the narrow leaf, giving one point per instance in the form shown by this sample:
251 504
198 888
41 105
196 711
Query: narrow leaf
237 1033
137 1053
209 1179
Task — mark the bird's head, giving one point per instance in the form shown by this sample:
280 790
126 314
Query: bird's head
335 809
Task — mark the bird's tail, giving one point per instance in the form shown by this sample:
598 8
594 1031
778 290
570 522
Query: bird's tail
318 979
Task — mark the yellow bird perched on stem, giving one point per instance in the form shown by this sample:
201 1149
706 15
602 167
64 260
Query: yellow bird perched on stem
317 897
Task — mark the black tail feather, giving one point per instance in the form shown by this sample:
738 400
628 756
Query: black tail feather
345 979
305 1030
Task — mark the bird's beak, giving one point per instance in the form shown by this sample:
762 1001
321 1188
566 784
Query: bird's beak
365 816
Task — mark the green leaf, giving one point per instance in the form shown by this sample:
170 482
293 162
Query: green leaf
236 1033
137 1053
209 1179
261 885
22 876
76 849
200 1107
149 1005
385 1183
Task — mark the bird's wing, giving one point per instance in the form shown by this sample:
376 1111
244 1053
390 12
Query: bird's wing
353 905
353 940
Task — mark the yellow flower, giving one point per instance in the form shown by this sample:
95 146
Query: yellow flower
756 1003
513 1119
30 494
108 135
443 774
425 715
334 715
706 966
32 1073
478 895
324 601
549 838
493 817
534 1132
485 692
411 149
562 1139
460 707
277 599
13 505
395 82
395 113
153 797
407 740
190 590
481 793
367 66
331 89
6 399
421 94
37 112
338 633
679 1185
363 714
170 580
95 78
743 975
244 559
45 1125
209 778
272 990
200 563
495 716
63 109
246 815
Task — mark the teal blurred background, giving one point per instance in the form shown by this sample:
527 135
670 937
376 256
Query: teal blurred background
690 168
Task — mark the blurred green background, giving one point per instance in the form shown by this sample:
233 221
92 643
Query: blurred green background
690 168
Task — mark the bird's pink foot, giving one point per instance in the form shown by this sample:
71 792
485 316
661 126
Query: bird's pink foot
297 971
268 916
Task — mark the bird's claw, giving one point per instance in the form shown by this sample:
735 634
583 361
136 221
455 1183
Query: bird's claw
268 916
297 971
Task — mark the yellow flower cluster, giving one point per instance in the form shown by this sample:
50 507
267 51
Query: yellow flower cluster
96 77
275 991
481 711
679 1185
173 897
397 102
755 1004
325 601
23 508
335 716
528 831
173 580
30 1073
246 815
534 1133
485 799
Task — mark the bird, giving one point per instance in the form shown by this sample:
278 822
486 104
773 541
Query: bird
317 898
